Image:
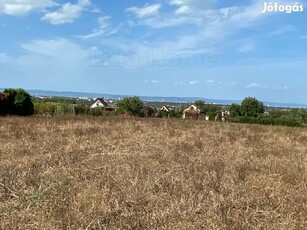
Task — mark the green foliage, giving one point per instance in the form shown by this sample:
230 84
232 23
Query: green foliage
251 107
211 109
20 102
97 111
200 105
175 113
45 109
62 100
235 110
131 105
267 121
82 110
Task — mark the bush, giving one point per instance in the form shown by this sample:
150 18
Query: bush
175 113
20 102
46 109
82 110
267 121
211 109
131 105
97 112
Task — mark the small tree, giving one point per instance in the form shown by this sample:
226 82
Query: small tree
251 107
200 105
211 109
20 102
132 105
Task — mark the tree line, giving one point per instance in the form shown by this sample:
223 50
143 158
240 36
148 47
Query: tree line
251 110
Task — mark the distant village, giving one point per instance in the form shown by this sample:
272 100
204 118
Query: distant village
153 109
250 110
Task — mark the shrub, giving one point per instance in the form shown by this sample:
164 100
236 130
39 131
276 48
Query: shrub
20 102
82 110
267 121
132 105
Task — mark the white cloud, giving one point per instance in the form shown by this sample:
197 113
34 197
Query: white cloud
67 13
183 10
193 4
104 29
57 63
54 48
175 2
210 27
193 82
210 81
103 22
265 86
253 85
249 46
96 10
219 24
152 81
147 10
158 23
198 3
23 7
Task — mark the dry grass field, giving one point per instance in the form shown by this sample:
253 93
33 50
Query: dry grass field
111 173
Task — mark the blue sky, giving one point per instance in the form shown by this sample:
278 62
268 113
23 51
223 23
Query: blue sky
206 48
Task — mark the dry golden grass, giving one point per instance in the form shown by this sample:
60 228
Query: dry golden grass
110 173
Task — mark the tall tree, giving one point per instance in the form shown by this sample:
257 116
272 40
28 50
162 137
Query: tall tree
251 107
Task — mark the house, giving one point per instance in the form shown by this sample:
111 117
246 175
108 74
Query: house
149 111
222 115
101 103
164 108
191 111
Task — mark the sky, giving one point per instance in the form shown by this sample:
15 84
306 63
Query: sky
218 49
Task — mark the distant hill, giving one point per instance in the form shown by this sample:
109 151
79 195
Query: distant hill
153 98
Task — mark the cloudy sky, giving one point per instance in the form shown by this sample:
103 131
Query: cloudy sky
222 49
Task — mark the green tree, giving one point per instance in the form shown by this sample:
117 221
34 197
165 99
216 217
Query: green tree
211 109
235 110
131 105
251 107
200 105
11 104
20 102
